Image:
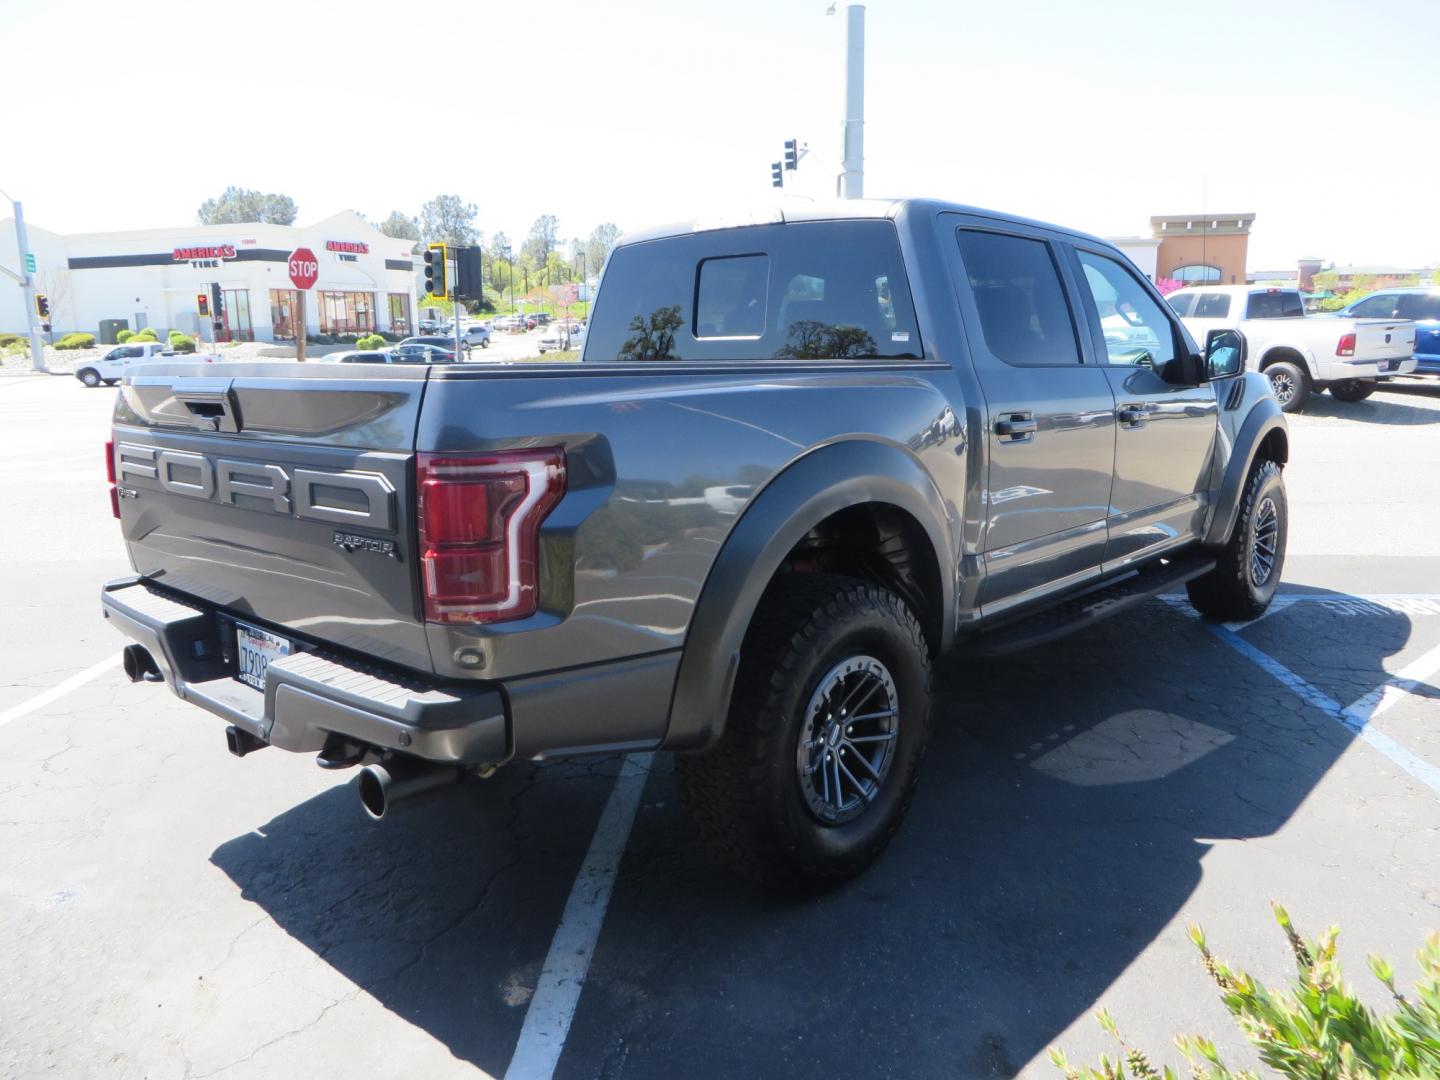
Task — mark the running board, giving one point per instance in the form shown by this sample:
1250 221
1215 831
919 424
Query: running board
1090 607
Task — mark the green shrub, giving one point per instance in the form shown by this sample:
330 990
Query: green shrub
370 341
123 336
319 339
10 339
76 341
181 343
1319 1030
143 335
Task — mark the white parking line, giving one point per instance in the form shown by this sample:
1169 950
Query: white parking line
547 1021
56 692
1356 718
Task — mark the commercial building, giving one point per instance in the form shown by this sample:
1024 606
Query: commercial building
1202 249
153 278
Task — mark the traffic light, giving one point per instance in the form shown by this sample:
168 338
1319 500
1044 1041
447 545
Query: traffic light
467 273
792 154
217 302
202 303
435 283
42 306
777 178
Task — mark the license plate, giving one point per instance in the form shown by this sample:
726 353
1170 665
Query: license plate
255 651
1389 365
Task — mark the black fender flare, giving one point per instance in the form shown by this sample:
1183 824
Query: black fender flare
1263 418
826 480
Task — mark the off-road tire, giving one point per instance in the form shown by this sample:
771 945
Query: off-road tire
1230 592
744 796
1352 389
90 377
1290 384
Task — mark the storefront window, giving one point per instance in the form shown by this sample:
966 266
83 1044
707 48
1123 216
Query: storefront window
283 308
237 316
399 313
347 312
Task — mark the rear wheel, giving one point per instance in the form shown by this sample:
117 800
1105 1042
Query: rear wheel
1290 385
1248 572
1352 389
90 377
828 724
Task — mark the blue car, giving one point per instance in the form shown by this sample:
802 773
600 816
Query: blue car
1421 305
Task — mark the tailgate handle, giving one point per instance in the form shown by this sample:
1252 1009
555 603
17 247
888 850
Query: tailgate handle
210 402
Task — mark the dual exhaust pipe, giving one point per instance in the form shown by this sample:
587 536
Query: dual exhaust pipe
139 665
400 779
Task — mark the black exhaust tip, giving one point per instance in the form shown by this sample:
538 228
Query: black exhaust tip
139 664
382 786
241 742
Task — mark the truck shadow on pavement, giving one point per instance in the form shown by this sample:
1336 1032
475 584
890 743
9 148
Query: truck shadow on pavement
1057 830
1395 405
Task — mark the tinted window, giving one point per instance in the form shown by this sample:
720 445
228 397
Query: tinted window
1023 313
1420 307
1280 304
731 297
1181 302
1134 324
1215 305
805 291
1380 306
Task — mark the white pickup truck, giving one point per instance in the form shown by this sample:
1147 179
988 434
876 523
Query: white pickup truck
1300 354
122 359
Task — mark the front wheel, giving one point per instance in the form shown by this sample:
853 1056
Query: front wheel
1352 389
828 724
1248 572
1290 385
485 343
90 377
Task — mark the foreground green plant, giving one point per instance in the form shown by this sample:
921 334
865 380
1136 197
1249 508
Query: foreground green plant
1317 1030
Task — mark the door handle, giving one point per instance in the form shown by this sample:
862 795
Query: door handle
1017 427
1133 415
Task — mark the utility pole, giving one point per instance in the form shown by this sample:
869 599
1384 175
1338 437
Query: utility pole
26 279
852 180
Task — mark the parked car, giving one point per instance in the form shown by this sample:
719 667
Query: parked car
914 435
1421 305
118 362
475 334
358 356
559 337
421 353
1300 354
437 341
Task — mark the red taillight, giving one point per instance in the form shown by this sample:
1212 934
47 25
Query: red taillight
1346 345
479 521
110 477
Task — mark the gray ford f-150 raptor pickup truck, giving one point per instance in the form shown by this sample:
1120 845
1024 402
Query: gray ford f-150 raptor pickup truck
803 455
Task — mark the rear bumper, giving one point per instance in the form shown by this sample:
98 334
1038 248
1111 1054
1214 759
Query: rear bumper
309 696
1372 369
603 708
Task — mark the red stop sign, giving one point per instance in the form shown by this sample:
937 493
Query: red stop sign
304 268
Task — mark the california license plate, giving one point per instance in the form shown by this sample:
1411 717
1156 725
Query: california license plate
255 651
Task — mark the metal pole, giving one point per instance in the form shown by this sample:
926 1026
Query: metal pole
22 241
455 314
852 181
299 319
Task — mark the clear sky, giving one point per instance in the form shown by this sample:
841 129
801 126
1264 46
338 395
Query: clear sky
1319 117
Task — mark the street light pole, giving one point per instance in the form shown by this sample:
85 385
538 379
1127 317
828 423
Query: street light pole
27 284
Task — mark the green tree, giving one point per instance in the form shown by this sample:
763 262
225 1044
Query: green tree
1326 281
602 239
401 226
542 239
240 205
447 219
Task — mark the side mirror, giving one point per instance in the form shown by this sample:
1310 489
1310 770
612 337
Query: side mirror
1224 353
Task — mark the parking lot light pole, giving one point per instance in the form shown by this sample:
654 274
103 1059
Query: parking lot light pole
852 180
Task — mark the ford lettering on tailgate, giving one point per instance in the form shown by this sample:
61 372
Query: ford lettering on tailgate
362 499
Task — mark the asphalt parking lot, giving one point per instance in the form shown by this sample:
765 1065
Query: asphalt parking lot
175 912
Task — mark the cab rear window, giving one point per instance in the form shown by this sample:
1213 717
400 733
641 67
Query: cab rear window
1274 305
833 290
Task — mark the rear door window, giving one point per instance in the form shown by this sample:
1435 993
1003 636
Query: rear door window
1181 302
832 290
1212 306
1279 304
1024 316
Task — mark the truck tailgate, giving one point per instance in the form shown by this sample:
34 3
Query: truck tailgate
1384 339
282 492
